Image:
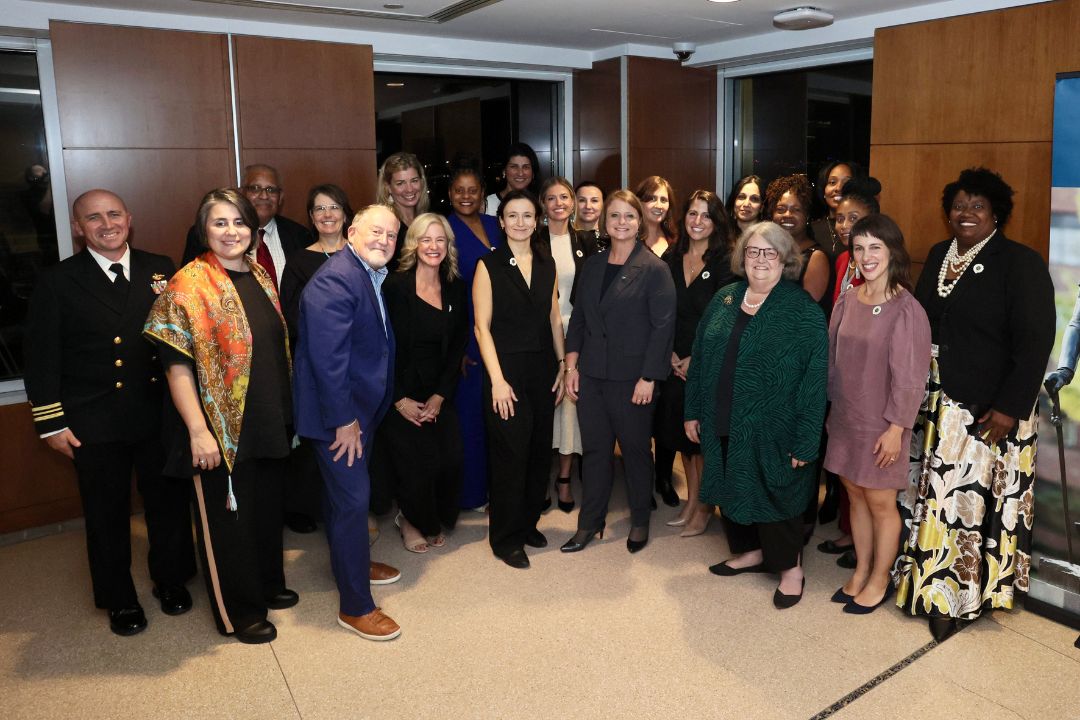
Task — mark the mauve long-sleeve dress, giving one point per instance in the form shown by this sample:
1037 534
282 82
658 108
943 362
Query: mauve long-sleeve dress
878 359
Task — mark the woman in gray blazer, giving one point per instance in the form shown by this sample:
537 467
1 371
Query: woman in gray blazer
618 347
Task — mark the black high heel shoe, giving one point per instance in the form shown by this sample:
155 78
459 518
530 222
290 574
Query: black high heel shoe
580 539
565 505
635 545
942 628
667 492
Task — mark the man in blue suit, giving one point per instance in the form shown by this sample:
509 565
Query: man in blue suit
343 381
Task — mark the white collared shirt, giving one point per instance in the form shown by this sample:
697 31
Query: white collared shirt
273 244
104 263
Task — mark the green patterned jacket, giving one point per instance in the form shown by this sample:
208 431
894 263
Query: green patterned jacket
778 404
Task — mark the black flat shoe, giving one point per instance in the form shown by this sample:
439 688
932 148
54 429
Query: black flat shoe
842 597
546 506
257 634
284 599
300 523
724 570
783 602
565 505
535 538
127 621
667 494
854 608
174 600
830 547
516 559
943 628
635 545
848 561
580 539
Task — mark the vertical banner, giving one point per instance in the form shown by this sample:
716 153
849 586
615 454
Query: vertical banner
1055 576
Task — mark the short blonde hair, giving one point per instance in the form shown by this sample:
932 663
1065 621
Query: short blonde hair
778 238
407 259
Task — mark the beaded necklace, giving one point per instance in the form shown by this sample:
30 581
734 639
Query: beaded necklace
958 264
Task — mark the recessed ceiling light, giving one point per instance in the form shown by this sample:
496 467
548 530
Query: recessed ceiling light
395 6
396 84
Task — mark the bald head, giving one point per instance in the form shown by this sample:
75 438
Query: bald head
102 220
373 234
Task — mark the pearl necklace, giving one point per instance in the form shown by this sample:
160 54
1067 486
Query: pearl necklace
754 306
958 264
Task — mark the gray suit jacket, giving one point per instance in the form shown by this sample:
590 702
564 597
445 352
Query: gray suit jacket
628 333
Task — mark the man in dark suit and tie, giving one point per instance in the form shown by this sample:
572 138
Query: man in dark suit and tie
280 238
342 387
95 387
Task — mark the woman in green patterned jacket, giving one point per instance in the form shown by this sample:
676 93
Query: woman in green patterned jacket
755 400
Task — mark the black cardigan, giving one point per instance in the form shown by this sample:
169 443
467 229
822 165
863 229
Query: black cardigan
995 331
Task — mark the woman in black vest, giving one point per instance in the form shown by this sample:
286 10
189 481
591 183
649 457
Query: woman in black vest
519 331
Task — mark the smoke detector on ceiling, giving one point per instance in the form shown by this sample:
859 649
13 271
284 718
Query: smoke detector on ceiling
802 18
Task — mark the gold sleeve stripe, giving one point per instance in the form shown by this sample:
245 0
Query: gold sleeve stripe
42 418
46 408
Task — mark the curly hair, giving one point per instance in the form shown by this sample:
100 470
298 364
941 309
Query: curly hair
798 185
985 183
863 190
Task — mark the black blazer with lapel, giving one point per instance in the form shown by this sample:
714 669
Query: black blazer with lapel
293 235
995 331
582 246
399 293
88 366
628 333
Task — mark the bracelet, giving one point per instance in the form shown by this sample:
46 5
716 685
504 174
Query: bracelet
571 369
562 360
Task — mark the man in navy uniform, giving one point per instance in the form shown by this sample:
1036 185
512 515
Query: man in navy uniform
95 387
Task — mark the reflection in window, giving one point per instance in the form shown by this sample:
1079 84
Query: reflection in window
27 223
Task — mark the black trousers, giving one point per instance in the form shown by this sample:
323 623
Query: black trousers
780 542
303 484
519 449
241 551
605 415
423 466
104 475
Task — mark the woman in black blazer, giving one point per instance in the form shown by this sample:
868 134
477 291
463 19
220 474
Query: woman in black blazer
618 347
425 301
969 510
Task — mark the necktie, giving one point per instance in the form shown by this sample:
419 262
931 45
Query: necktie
120 282
262 256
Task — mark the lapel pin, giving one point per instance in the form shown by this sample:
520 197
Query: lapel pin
978 268
580 254
877 309
513 261
158 283
727 300
705 275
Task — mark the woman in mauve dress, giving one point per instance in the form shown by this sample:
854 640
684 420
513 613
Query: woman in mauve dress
879 353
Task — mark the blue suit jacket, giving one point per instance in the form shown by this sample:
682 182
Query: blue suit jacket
344 364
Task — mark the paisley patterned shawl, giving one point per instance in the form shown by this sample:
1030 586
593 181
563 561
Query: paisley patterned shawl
200 315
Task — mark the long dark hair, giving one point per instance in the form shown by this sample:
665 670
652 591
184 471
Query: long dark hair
646 191
722 235
887 231
743 182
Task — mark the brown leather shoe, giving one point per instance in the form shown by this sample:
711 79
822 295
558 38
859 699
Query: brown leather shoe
383 574
376 625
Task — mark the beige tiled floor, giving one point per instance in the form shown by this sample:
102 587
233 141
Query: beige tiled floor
597 634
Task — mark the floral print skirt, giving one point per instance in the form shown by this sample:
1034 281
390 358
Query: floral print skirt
967 512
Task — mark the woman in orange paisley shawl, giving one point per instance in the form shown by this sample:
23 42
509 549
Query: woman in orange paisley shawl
221 335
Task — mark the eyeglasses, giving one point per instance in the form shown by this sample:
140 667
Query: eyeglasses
325 208
257 190
753 253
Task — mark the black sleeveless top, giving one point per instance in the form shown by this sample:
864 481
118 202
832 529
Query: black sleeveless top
520 314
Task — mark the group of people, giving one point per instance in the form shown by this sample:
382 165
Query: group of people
440 362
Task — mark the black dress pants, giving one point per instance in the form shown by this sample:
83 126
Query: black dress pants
104 475
423 465
241 550
606 414
780 542
519 449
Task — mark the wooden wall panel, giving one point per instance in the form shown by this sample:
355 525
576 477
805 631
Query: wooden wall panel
162 187
914 175
138 88
353 170
39 484
597 124
303 94
968 91
672 124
